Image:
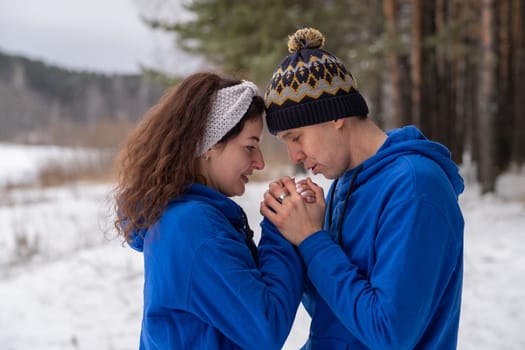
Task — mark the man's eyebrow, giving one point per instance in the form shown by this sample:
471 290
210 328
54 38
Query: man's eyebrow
285 135
255 138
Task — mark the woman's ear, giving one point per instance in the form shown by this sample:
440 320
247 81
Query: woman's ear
208 154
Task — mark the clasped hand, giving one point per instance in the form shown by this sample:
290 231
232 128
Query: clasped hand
296 209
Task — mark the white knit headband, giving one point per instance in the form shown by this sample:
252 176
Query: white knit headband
227 109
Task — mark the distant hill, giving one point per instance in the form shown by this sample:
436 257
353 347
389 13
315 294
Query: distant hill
35 95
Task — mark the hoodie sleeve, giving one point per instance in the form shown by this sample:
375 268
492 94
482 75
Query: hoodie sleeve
254 307
391 306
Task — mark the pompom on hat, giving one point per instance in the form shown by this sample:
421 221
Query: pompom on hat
310 86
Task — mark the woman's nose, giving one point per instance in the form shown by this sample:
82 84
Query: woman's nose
258 163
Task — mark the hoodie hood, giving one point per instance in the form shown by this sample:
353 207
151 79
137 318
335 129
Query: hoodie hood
208 196
404 141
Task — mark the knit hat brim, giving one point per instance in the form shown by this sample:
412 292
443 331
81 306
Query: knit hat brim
316 111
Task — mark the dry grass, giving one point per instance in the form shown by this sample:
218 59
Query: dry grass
56 173
101 139
107 136
102 134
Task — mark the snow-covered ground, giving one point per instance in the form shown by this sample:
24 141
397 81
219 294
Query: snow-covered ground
20 165
65 284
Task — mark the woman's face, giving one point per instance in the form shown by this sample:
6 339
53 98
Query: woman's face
229 165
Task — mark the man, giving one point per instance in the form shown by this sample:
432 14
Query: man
385 268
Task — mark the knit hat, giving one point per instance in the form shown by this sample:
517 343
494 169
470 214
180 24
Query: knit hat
310 86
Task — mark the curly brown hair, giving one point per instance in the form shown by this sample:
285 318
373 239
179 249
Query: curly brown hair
158 163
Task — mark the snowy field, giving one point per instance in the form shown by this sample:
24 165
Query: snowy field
66 284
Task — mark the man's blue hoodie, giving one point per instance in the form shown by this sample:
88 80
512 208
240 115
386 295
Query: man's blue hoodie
396 283
204 288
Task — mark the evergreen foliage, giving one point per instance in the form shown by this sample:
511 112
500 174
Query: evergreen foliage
418 62
249 37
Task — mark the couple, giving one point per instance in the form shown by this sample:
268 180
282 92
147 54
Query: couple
377 265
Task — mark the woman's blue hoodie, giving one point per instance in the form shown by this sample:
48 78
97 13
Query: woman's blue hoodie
204 289
397 282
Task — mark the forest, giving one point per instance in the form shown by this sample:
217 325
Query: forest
45 104
454 68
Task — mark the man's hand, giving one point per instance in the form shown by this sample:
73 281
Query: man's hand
297 210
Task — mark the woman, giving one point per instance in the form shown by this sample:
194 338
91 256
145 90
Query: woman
207 286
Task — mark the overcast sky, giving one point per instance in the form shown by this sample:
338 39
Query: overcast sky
96 35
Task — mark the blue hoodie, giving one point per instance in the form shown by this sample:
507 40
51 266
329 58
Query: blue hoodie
204 289
397 282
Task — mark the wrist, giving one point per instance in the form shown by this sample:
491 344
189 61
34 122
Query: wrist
312 245
305 236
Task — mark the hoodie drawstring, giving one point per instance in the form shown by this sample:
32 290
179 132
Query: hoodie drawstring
345 204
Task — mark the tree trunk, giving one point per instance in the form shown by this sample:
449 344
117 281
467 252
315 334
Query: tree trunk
518 69
486 100
417 60
505 78
394 88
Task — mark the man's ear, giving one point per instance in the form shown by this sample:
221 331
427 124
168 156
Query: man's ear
339 123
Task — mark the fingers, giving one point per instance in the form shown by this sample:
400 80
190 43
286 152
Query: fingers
318 190
268 212
308 195
290 186
276 183
275 197
306 188
271 200
279 190
286 186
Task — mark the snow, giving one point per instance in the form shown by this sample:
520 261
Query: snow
66 282
21 164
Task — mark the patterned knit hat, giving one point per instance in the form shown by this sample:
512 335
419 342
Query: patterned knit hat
310 86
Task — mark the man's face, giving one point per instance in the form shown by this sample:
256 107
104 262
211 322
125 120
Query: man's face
319 147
